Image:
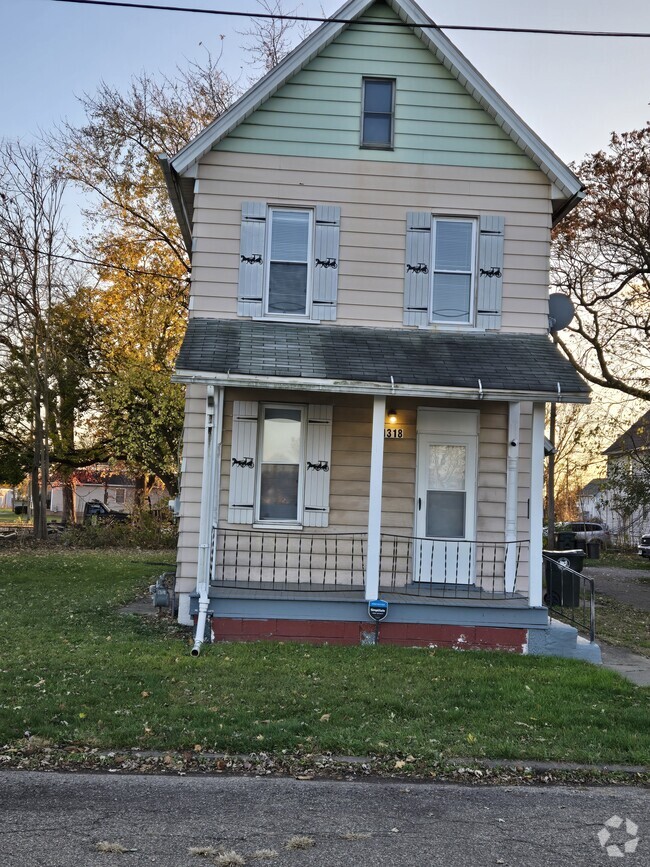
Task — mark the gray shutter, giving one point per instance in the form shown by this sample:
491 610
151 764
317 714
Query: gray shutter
490 271
318 454
417 280
243 458
252 251
326 262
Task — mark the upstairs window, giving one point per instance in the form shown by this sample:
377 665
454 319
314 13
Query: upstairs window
289 261
454 270
289 258
378 112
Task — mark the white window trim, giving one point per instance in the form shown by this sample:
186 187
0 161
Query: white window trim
371 145
294 317
471 320
274 523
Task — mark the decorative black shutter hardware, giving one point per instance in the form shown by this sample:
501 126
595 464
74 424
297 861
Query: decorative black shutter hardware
490 272
255 259
326 263
321 465
420 268
244 462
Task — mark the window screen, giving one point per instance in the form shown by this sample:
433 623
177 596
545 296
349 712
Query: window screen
378 111
288 262
453 270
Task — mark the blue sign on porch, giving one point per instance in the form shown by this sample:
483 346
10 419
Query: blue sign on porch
378 610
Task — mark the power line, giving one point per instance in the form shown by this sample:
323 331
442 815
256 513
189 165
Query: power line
374 23
138 271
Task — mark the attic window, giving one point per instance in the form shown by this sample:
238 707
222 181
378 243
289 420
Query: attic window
378 113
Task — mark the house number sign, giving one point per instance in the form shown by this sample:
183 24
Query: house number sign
394 433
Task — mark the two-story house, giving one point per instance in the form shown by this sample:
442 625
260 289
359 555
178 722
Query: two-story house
367 357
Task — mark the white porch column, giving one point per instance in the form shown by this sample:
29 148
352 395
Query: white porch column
374 502
512 494
210 483
536 506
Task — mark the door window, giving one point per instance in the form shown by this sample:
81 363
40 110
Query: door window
446 495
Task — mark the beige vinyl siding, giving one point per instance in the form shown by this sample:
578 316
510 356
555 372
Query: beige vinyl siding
191 480
350 469
374 198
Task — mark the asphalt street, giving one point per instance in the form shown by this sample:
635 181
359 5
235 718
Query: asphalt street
57 820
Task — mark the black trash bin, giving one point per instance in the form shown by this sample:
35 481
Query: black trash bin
565 540
562 584
593 549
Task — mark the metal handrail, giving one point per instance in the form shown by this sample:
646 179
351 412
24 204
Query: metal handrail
560 595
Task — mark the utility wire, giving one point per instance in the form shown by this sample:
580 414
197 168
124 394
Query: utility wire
374 23
137 271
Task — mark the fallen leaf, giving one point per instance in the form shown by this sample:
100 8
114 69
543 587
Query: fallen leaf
325 717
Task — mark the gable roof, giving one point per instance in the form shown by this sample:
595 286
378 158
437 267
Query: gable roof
592 488
636 437
567 187
376 360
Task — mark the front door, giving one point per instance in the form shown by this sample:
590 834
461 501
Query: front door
445 508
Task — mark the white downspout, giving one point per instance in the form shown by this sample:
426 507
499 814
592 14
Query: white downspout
512 494
209 505
374 503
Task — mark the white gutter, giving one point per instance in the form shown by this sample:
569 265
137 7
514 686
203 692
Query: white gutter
209 505
344 386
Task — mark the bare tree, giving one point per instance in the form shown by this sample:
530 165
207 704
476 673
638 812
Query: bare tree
31 280
271 39
601 258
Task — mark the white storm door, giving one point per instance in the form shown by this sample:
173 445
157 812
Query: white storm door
445 509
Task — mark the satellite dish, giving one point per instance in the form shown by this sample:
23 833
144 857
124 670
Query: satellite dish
560 311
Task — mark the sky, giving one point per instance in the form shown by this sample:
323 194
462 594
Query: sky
573 91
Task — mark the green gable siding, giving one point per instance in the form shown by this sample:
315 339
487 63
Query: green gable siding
318 113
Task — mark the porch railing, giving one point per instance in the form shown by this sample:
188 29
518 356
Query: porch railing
570 595
451 567
278 560
281 560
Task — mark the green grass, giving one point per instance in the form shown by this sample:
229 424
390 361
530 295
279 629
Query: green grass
8 516
621 560
75 672
622 624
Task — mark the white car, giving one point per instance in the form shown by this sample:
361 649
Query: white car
644 545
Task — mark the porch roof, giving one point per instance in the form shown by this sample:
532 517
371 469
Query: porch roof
370 360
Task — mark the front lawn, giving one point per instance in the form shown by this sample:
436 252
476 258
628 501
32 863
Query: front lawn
622 624
8 516
75 672
620 560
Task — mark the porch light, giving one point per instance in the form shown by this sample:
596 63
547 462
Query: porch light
392 416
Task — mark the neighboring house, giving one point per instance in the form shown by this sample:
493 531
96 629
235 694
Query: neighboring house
6 497
367 357
630 452
115 489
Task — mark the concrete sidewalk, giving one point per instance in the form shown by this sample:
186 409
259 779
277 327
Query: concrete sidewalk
629 665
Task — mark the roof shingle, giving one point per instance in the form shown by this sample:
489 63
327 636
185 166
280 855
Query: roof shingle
517 362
